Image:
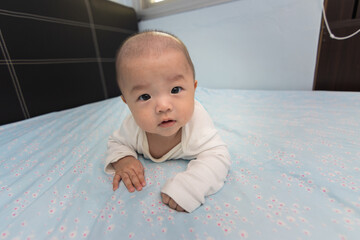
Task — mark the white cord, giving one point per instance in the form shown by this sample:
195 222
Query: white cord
331 34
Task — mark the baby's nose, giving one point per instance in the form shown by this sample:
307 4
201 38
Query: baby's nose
163 105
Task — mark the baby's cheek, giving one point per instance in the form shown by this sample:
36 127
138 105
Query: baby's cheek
187 113
145 121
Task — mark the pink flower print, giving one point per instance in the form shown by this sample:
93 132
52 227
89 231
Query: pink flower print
291 219
62 228
131 235
349 210
5 234
243 234
164 230
85 234
227 230
280 223
348 221
342 237
72 234
111 227
337 210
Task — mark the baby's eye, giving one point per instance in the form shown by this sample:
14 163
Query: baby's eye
144 97
176 90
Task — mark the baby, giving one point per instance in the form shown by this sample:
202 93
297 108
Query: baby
157 82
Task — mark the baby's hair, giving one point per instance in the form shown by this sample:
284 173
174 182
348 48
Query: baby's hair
150 42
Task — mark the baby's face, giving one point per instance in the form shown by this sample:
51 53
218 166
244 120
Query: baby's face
159 91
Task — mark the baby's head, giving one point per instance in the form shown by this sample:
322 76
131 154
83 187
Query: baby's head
157 80
149 43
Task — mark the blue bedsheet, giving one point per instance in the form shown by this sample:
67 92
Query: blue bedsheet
295 173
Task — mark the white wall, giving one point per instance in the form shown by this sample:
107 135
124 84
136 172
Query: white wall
250 44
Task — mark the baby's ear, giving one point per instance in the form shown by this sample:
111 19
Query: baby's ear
122 97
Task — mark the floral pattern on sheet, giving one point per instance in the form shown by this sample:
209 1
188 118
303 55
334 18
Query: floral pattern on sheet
295 173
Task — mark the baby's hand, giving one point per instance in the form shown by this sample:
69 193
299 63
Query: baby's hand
171 203
131 172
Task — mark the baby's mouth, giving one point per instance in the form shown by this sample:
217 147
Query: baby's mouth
167 123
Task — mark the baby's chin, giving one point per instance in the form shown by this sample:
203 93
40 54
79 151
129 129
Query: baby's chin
166 132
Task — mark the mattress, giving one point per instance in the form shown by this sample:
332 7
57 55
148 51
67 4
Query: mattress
295 173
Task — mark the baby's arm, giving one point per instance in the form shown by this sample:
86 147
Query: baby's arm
131 172
121 159
204 176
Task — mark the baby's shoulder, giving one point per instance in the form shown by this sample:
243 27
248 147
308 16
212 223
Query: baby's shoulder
129 126
199 130
201 118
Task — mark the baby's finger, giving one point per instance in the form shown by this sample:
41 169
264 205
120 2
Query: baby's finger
127 181
165 198
179 209
172 204
140 174
135 181
116 181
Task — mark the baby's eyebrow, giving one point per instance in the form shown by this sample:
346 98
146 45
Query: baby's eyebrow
177 77
139 87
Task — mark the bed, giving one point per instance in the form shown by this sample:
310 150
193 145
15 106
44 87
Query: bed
295 154
294 174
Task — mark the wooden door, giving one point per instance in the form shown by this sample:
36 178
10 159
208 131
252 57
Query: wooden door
338 62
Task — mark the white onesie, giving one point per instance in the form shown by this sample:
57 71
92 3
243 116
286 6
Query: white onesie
200 143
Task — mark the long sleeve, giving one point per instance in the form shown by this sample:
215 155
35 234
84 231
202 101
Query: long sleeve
206 174
122 143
